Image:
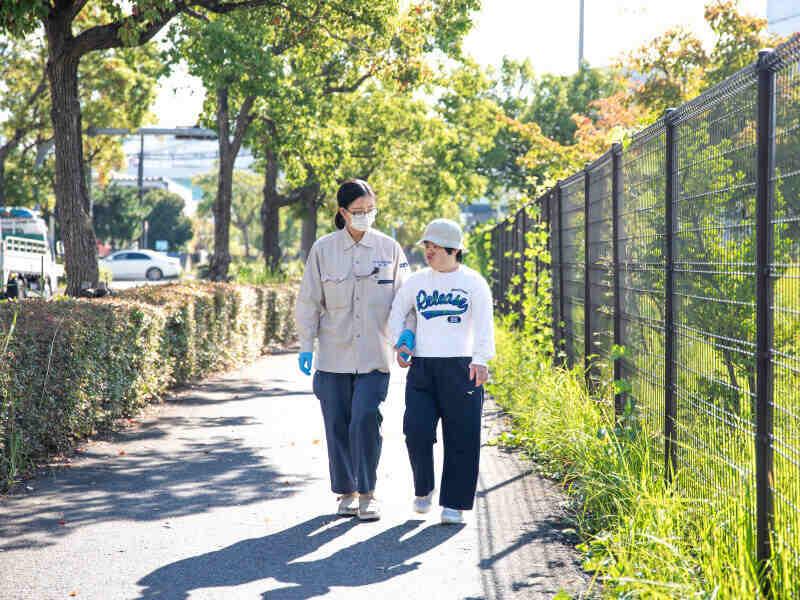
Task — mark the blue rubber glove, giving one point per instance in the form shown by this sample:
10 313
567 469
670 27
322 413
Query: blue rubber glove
406 339
304 362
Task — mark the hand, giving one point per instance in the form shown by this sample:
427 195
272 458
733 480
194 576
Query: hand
479 374
404 356
304 360
406 339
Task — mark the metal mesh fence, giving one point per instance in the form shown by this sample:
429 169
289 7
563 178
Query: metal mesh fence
785 279
573 266
685 250
714 299
600 267
641 238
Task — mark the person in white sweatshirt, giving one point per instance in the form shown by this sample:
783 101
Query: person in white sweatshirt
449 357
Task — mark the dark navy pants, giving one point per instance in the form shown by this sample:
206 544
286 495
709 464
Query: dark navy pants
350 409
440 388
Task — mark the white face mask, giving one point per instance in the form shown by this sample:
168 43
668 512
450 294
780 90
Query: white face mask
363 222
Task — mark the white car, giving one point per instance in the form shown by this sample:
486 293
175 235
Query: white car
142 264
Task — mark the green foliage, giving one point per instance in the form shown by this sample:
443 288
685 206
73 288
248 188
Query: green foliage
536 110
257 273
70 368
245 205
638 536
166 220
118 215
676 67
116 88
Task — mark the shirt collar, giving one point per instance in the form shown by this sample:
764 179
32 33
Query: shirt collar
368 240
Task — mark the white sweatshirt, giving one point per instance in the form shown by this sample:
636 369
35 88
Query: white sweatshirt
454 314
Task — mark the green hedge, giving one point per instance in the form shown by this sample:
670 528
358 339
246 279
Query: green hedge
70 368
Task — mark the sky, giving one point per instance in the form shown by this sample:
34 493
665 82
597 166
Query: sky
546 31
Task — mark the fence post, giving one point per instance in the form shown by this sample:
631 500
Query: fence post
670 195
495 264
616 197
552 211
765 193
523 277
587 288
566 347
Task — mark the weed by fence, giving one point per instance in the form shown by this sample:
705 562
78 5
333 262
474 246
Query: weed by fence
683 248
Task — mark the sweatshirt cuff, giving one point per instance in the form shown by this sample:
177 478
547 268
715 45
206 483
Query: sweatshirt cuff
481 361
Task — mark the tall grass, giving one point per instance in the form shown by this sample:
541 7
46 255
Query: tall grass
11 441
640 537
255 272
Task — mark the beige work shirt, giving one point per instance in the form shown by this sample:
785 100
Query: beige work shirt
345 299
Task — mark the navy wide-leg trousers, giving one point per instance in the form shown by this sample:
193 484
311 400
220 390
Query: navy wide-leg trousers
440 388
350 408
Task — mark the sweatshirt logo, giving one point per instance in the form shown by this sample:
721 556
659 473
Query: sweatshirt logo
438 304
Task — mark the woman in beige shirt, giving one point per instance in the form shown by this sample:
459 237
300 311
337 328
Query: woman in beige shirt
349 283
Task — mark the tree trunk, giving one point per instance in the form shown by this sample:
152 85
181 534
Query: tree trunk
2 179
309 234
245 238
72 199
221 258
228 149
735 392
270 212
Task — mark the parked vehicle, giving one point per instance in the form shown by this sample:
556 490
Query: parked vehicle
27 264
142 264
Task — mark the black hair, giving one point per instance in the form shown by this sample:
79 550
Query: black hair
459 254
350 191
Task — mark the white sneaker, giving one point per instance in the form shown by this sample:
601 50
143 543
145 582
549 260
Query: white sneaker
348 505
368 508
422 504
452 516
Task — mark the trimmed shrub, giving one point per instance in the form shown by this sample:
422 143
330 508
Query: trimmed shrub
70 368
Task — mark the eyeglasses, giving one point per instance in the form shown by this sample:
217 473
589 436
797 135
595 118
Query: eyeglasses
366 211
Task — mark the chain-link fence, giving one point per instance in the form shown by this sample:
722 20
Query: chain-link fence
683 250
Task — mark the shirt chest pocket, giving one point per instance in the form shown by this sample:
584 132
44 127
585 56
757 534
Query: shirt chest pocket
338 290
381 287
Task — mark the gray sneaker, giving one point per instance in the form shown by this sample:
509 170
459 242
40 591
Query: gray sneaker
422 504
348 505
452 516
368 508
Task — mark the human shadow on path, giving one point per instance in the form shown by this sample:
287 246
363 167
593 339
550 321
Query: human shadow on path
276 556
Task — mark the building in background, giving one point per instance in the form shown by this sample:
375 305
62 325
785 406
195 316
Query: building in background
177 161
476 214
159 183
783 16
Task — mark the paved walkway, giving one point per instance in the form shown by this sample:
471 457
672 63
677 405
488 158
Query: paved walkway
223 493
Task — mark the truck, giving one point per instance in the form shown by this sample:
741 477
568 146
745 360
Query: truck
27 262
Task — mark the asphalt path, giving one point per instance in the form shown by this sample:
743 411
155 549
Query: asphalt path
223 492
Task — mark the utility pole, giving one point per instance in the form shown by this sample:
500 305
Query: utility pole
141 167
581 23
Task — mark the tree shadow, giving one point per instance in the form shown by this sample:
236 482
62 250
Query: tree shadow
148 485
277 556
222 392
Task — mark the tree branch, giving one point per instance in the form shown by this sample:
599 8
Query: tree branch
77 8
243 122
346 89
